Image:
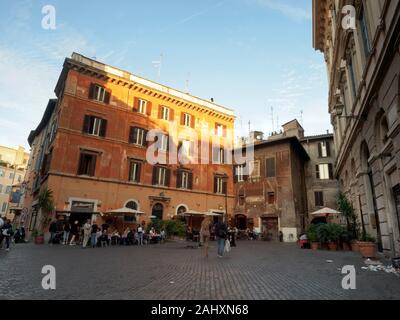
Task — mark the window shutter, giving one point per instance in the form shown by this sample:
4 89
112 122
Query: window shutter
190 181
107 97
148 108
135 104
235 171
319 150
130 164
192 121
215 184
224 186
321 198
86 124
182 118
316 195
167 177
155 171
179 179
328 149
330 168
132 135
103 128
91 91
139 167
145 142
160 112
92 166
171 114
81 164
317 171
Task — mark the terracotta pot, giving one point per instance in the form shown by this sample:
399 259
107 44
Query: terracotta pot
314 245
324 246
346 246
367 249
332 246
355 247
39 240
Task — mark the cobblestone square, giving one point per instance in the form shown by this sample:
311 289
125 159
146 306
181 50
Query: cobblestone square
253 270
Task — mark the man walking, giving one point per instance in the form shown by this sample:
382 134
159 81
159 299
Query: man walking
53 231
87 228
6 232
140 233
221 232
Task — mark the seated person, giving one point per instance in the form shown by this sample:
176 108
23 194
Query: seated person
103 239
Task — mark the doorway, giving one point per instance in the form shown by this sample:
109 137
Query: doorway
270 229
241 222
157 211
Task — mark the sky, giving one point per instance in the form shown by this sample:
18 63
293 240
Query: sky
249 55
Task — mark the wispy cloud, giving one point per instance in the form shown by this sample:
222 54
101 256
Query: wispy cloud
288 10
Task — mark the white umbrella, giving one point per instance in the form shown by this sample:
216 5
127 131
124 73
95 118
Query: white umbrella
192 213
124 211
324 212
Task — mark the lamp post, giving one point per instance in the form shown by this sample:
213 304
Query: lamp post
339 110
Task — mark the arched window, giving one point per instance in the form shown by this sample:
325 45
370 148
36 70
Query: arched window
131 205
181 209
381 129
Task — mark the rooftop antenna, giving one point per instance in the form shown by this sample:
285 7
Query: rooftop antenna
187 82
157 64
301 117
277 122
272 117
249 126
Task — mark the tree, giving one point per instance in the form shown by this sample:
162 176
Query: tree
46 205
347 211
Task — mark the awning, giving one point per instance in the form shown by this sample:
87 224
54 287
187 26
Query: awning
192 213
122 212
324 212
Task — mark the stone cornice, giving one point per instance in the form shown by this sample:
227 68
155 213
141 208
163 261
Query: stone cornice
116 76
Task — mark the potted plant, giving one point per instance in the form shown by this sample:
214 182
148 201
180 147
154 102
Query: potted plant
322 234
333 235
38 237
313 236
345 239
366 246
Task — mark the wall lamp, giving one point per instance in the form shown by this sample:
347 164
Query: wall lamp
339 109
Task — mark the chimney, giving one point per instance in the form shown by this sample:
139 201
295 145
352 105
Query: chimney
212 99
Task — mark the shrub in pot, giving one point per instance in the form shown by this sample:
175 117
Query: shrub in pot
323 234
334 231
366 246
313 236
38 237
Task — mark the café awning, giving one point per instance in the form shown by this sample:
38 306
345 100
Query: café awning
123 212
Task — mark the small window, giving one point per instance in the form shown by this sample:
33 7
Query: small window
161 176
319 199
87 164
164 142
239 173
323 149
271 198
270 167
220 185
184 179
95 126
142 108
99 93
186 119
165 113
219 130
137 136
218 155
134 171
324 171
132 205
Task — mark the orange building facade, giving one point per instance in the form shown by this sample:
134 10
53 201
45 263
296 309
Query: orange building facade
90 148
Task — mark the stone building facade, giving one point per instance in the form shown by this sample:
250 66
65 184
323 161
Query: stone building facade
90 147
363 66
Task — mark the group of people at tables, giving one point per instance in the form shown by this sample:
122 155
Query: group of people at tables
193 234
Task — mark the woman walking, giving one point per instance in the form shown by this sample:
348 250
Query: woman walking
205 234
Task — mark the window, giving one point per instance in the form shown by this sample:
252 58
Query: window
161 176
134 171
3 208
319 198
186 120
11 176
364 33
8 189
270 171
1 173
99 93
142 108
218 155
324 171
87 164
137 136
184 179
95 126
271 197
132 205
239 173
164 113
164 142
323 149
220 184
219 130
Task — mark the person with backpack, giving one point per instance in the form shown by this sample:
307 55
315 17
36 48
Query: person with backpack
7 233
221 232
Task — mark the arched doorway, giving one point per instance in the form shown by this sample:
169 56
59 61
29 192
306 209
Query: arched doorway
157 211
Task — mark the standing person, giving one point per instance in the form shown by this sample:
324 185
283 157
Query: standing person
66 230
140 234
52 230
232 236
74 232
6 232
221 232
93 235
87 229
205 234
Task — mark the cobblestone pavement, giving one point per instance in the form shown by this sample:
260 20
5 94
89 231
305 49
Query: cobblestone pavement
253 270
